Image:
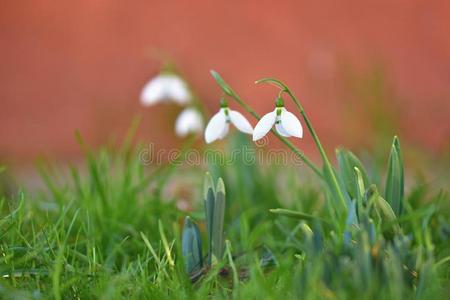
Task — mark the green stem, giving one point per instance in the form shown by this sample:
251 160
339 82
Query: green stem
283 139
327 173
232 265
325 159
327 165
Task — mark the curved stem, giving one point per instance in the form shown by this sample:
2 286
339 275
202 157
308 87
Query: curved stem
324 156
283 139
327 174
327 165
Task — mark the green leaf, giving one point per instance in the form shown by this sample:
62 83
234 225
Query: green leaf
209 198
394 188
220 186
355 162
191 246
231 263
296 215
352 219
165 243
209 217
208 183
223 85
340 201
307 232
360 185
347 162
219 214
351 222
273 81
381 206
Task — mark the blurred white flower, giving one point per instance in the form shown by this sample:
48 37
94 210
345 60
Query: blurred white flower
286 123
219 124
189 121
164 88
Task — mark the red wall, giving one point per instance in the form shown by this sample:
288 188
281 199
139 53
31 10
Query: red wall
81 64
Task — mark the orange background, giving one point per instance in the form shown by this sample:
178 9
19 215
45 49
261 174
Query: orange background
81 64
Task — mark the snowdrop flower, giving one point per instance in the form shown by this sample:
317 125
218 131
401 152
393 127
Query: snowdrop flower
189 121
219 124
163 88
286 123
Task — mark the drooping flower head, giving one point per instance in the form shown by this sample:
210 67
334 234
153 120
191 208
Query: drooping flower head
164 88
219 124
286 123
189 121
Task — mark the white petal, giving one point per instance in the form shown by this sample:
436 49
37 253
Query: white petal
225 131
291 124
154 91
215 127
177 89
264 125
240 122
281 130
189 121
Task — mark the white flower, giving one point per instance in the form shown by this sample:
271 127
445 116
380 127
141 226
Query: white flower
219 124
286 124
163 88
189 121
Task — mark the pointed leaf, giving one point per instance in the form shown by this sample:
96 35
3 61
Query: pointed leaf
394 188
347 161
191 246
355 162
223 85
209 217
381 206
166 247
219 214
208 183
386 211
360 185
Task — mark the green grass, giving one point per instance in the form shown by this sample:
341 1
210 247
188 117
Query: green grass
113 231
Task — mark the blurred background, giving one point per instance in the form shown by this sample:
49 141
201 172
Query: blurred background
364 70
